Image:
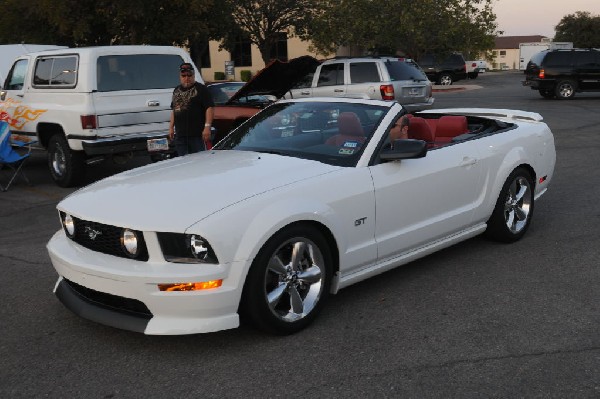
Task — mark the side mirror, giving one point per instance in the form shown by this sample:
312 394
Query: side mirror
405 149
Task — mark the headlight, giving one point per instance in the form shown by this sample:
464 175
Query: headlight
68 223
186 248
129 243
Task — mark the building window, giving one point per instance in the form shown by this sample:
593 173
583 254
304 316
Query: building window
242 52
200 53
502 53
279 50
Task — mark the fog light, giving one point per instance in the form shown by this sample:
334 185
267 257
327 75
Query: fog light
129 242
69 224
205 285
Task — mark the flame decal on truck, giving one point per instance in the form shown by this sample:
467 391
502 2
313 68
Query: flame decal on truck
21 116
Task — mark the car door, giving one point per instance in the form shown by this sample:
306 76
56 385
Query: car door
422 200
12 109
13 90
364 79
330 82
587 69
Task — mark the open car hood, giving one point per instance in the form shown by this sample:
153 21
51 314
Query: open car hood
277 78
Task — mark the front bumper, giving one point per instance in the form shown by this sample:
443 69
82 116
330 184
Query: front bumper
124 293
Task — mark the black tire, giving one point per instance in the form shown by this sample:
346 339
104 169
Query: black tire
473 75
67 167
565 89
277 281
547 93
514 209
445 79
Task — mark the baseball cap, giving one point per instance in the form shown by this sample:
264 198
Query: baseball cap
186 67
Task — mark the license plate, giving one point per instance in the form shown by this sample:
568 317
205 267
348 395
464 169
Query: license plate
414 91
158 145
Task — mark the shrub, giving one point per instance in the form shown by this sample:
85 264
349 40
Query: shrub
219 75
245 75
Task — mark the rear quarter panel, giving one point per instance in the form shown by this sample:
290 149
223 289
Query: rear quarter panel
528 143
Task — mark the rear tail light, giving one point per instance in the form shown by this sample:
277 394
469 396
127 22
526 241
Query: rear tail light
474 65
89 122
542 74
387 92
464 67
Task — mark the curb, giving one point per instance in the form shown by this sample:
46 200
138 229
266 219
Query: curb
453 88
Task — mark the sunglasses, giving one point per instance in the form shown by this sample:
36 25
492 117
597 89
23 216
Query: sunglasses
187 74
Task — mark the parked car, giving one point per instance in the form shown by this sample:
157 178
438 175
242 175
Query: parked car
474 68
268 85
305 198
561 73
445 70
86 104
222 92
379 78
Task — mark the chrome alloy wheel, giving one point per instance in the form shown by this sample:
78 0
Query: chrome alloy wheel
294 279
518 205
566 90
59 161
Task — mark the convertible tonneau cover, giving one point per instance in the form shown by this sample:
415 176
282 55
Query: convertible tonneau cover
491 112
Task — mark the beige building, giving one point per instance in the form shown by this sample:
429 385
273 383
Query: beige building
247 57
506 51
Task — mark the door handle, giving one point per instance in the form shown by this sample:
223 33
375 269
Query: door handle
305 93
153 103
338 90
468 161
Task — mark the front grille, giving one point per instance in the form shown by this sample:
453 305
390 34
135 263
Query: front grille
129 306
106 239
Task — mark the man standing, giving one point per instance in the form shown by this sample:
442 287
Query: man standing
192 113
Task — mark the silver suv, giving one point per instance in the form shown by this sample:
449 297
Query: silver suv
380 78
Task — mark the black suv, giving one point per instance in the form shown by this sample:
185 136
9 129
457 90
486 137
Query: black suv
451 69
561 73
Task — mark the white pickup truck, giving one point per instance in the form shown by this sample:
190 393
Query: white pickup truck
474 68
86 104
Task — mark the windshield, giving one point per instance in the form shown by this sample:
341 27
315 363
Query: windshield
329 132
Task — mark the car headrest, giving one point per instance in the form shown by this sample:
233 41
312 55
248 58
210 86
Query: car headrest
349 125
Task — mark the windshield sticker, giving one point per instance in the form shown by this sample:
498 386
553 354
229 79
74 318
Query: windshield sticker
351 144
346 151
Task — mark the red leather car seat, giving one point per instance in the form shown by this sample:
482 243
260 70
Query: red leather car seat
450 126
349 129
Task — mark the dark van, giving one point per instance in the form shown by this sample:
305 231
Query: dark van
563 72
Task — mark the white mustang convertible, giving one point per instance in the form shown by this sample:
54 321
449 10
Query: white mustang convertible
303 199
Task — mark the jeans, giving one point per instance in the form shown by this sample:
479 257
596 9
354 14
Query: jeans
188 145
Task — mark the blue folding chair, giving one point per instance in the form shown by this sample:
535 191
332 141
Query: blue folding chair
10 158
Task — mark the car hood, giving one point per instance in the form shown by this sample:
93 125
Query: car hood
277 78
172 195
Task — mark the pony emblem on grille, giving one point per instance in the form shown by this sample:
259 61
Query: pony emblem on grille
91 233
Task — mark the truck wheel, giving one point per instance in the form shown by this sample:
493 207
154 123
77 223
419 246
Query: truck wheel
473 75
67 167
445 79
565 90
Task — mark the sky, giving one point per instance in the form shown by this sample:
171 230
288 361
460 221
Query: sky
537 17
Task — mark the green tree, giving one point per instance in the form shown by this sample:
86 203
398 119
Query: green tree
410 27
263 21
581 28
104 22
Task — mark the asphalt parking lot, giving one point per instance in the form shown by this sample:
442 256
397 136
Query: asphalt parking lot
477 320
